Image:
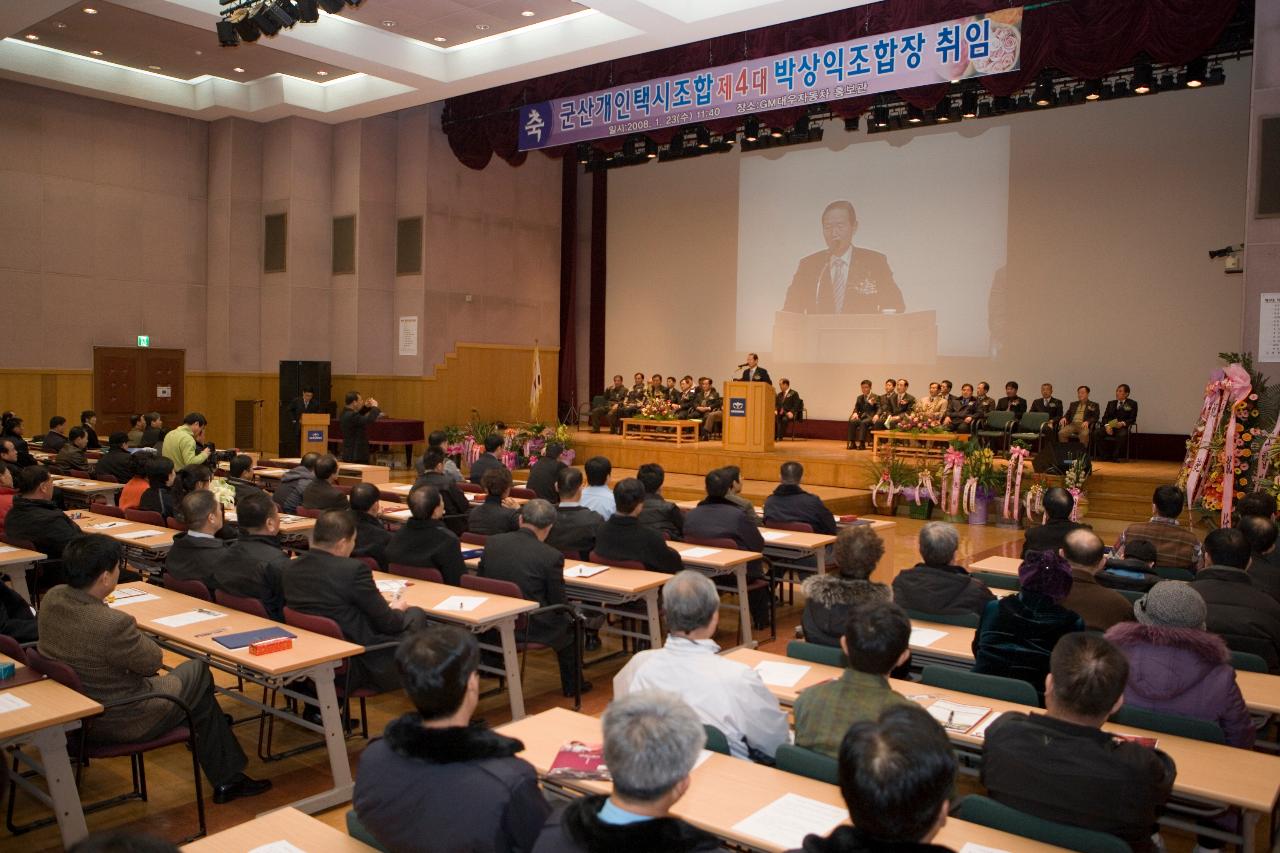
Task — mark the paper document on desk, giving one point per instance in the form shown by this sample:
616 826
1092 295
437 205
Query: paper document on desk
925 636
581 571
980 731
787 820
698 552
771 535
970 847
190 617
780 674
9 702
290 519
140 534
277 847
702 758
956 717
129 595
393 587
460 603
107 525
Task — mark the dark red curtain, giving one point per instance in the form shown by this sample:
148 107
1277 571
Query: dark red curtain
1081 38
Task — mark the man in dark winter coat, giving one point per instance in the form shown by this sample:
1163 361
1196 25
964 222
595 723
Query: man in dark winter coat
936 586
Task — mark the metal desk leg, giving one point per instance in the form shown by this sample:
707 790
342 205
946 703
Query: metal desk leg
744 607
511 663
820 556
1249 829
335 743
655 621
52 744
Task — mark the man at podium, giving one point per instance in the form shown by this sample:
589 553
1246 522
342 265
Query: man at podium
754 372
843 279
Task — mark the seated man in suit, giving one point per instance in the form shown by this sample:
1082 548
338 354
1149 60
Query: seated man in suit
633 402
687 394
899 403
612 399
789 502
323 493
659 513
241 473
425 541
1264 558
117 661
1080 419
543 472
1245 616
1035 762
622 537
36 519
863 417
486 461
1048 536
1099 607
197 552
1177 547
787 409
876 642
1117 422
935 405
494 803
89 420
717 517
576 525
937 586
435 441
1011 402
708 406
57 434
723 693
254 564
72 457
962 411
295 481
136 424
436 475
153 430
499 513
1048 404
9 457
754 372
986 403
652 741
325 581
524 558
372 535
116 461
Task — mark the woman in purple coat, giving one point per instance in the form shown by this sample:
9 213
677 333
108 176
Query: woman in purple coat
1177 667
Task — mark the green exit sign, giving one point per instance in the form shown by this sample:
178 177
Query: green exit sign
144 340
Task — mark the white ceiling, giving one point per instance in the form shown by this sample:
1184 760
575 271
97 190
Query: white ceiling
374 68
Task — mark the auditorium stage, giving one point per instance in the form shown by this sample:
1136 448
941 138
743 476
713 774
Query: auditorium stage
843 478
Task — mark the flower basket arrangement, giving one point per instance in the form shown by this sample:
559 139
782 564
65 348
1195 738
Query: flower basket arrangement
520 443
917 422
1074 482
658 409
981 481
890 476
1011 509
919 499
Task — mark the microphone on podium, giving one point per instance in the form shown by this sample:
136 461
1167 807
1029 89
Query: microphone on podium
744 364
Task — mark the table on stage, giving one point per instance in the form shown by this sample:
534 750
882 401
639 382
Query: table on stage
723 790
723 561
930 443
18 564
677 430
1211 772
286 825
497 612
313 656
51 712
80 492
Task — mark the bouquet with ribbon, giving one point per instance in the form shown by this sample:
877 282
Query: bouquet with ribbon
952 479
1013 481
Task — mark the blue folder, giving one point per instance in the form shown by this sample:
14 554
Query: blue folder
248 638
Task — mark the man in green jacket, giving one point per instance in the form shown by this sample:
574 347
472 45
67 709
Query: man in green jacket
180 444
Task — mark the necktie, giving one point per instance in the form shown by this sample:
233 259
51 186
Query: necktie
839 279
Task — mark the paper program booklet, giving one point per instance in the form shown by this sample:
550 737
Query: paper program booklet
577 760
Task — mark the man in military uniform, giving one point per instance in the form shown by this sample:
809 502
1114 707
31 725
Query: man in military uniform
613 397
1117 420
631 403
842 279
1080 418
962 411
707 405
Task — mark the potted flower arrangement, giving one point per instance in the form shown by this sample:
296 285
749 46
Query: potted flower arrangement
917 422
919 498
981 482
1074 482
890 476
657 409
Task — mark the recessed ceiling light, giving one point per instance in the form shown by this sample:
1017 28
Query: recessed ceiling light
388 24
322 73
96 52
528 13
154 67
32 37
199 53
89 10
238 70
59 25
482 27
439 38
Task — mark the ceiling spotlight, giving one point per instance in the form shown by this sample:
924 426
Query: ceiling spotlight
528 13
268 24
333 7
1217 76
439 39
776 133
238 70
942 114
583 152
915 115
227 34
246 28
308 11
1197 71
676 147
1093 90
801 128
650 149
1142 78
751 129
969 103
96 52
851 124
984 109
89 10
1043 96
704 137
32 37
880 116
282 12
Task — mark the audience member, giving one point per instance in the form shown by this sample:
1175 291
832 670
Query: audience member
136 486
117 461
830 598
486 461
116 661
1177 667
937 586
197 552
158 497
456 505
734 495
1099 607
1048 536
575 528
241 470
254 564
1177 547
652 742
1061 766
622 537
493 800
424 541
7 494
724 693
372 535
9 456
152 431
1264 560
1247 618
13 430
717 517
658 512
322 493
71 457
56 437
288 495
89 423
1016 633
498 513
791 503
1259 503
875 642
17 618
192 478
325 581
435 441
36 519
597 495
183 445
543 473
136 425
523 558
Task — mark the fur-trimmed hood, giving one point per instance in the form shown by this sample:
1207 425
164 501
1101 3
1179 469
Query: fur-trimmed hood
583 830
408 737
1166 662
833 590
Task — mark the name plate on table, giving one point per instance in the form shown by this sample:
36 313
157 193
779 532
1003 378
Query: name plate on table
737 407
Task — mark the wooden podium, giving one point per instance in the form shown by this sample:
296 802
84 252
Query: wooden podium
315 434
748 416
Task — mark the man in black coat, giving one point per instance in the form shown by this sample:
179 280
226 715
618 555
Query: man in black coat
1058 504
425 541
753 372
576 525
486 461
843 278
288 494
1117 421
542 476
322 493
623 538
36 519
499 513
658 512
1011 402
241 468
325 581
356 418
787 409
372 536
523 558
1048 404
197 552
717 517
456 505
1238 610
307 404
117 461
57 434
254 564
789 502
936 585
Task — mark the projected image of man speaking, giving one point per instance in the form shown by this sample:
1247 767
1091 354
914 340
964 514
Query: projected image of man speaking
843 279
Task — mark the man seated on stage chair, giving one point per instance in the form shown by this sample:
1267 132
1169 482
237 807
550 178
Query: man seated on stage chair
865 415
197 551
986 403
723 693
658 512
946 386
652 742
1035 763
717 517
424 540
323 493
787 409
487 460
673 391
1117 422
1048 404
656 389
326 581
1011 402
684 399
962 411
897 777
707 405
372 535
876 641
900 403
935 405
614 396
789 502
435 474
493 801
622 537
524 558
576 525
499 513
635 399
254 564
1080 419
936 586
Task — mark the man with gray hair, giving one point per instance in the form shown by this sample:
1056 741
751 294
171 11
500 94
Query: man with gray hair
652 741
523 558
724 693
936 586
